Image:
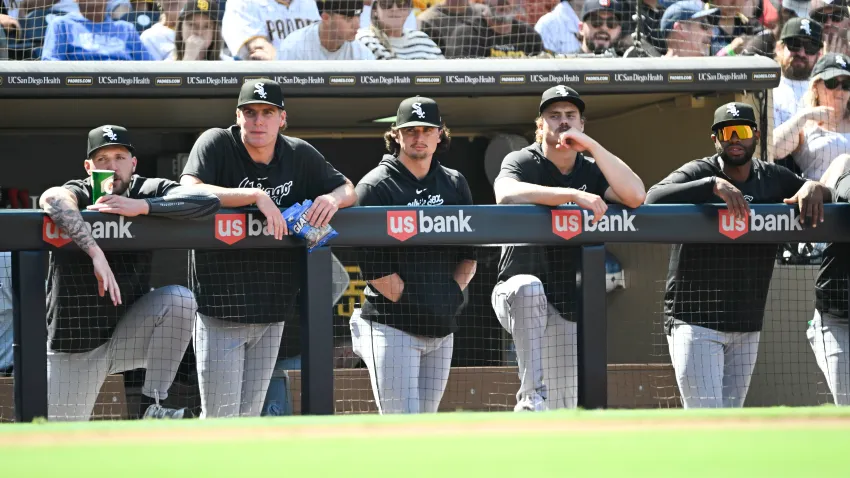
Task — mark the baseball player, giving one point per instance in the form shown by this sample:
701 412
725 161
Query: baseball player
535 295
405 329
255 29
716 293
828 331
245 296
111 320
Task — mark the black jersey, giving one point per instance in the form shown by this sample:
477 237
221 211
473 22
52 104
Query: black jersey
721 286
431 298
260 285
555 266
79 320
833 278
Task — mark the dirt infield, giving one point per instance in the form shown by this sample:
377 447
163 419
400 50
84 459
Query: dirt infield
280 430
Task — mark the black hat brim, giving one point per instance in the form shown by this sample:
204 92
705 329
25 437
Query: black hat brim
128 146
569 99
258 102
411 124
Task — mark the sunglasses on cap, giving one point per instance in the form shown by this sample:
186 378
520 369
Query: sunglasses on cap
835 16
388 4
742 130
794 44
834 83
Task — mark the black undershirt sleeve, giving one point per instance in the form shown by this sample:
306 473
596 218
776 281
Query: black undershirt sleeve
183 202
684 186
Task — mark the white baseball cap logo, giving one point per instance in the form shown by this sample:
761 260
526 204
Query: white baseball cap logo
840 61
417 108
260 90
108 133
806 26
732 110
562 90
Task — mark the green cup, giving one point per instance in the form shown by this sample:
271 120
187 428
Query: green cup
101 181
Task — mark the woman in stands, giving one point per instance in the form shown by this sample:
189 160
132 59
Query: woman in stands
819 132
387 38
198 35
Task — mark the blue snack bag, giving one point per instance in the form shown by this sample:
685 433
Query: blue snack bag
296 220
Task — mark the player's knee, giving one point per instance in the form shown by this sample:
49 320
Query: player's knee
182 300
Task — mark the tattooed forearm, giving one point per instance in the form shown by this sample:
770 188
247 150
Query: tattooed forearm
69 219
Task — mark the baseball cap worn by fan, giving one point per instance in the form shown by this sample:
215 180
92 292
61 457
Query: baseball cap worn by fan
693 10
348 8
732 114
418 111
561 93
206 7
816 6
830 66
802 28
108 135
262 91
591 6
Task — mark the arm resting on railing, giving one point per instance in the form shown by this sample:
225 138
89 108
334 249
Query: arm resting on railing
679 189
185 202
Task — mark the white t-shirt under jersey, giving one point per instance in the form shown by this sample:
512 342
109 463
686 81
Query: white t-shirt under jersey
159 40
245 20
304 44
412 45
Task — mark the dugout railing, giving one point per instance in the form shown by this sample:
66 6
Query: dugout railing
27 237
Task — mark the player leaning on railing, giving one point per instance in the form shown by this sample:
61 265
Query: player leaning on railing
715 299
405 330
535 297
91 335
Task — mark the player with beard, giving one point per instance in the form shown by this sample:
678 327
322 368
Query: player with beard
799 47
600 26
716 293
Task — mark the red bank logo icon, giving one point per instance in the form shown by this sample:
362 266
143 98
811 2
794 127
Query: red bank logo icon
734 228
569 224
51 234
230 228
566 224
403 225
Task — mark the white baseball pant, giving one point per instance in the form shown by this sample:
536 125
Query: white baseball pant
408 372
546 343
153 334
713 369
829 338
235 364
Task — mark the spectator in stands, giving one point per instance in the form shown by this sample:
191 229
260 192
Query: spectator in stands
387 38
6 353
650 12
733 27
255 29
559 30
503 36
440 21
531 11
366 17
8 28
835 18
92 36
536 294
820 131
143 14
159 38
333 38
686 26
601 26
799 48
198 35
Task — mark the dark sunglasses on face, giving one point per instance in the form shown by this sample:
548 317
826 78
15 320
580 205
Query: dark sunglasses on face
387 4
794 45
834 83
609 22
835 16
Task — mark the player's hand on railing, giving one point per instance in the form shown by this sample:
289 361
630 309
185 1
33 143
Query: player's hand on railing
586 200
732 197
810 201
112 204
276 225
105 278
322 210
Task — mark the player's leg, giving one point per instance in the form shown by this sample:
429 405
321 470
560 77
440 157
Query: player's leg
154 334
697 356
741 352
830 342
73 383
260 357
393 359
220 357
522 309
560 361
434 372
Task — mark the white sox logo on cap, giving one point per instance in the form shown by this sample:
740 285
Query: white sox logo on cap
108 133
417 108
840 60
260 90
732 110
605 3
562 90
806 26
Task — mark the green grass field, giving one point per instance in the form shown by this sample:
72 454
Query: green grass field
750 442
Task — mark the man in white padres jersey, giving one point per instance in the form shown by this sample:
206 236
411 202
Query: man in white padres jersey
255 29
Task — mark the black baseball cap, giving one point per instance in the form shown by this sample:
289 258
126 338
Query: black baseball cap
816 6
348 8
261 91
561 93
591 6
734 113
109 135
206 7
830 66
418 111
802 28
